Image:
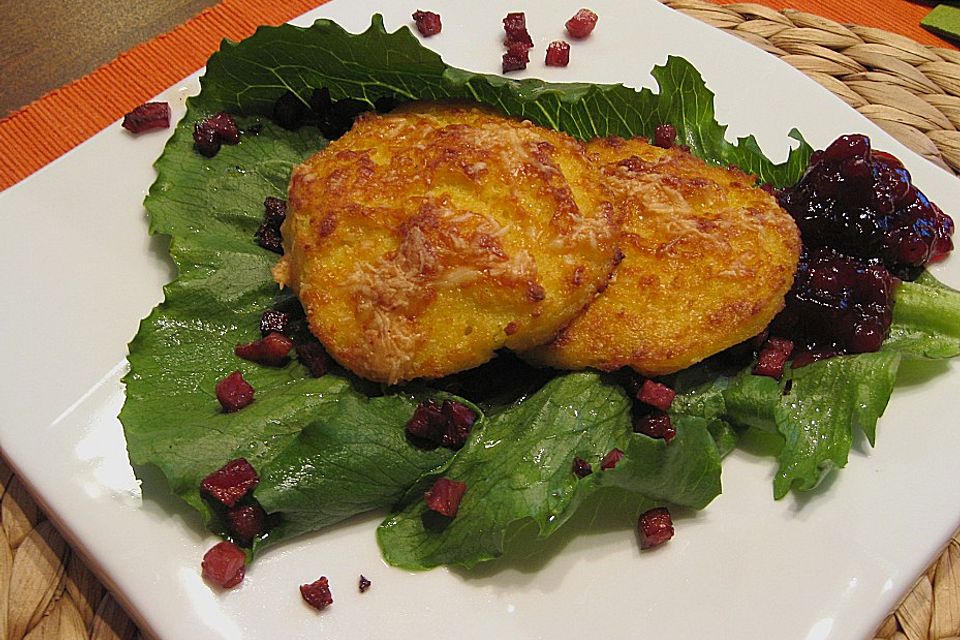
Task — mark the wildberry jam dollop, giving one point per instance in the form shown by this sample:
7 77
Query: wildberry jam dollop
864 227
837 305
862 203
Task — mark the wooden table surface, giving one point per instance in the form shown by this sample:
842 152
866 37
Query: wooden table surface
47 43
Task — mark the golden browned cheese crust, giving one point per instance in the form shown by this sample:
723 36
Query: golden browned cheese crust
424 240
707 261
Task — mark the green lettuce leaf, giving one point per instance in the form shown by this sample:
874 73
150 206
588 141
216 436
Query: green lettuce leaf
210 208
819 408
250 76
926 319
519 466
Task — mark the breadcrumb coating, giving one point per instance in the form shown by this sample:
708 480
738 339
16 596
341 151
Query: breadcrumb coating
707 260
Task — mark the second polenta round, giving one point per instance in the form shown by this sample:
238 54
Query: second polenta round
707 260
424 240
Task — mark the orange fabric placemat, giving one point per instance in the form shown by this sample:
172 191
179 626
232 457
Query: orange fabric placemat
899 16
46 129
65 117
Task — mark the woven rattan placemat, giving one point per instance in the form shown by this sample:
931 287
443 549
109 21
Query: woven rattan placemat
910 90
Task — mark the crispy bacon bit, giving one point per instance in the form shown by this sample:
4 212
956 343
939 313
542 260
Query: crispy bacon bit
224 124
271 351
246 523
665 136
656 425
274 211
516 57
656 395
231 482
364 584
428 23
314 357
268 235
146 117
655 527
558 54
269 238
611 459
210 133
234 393
581 468
289 111
426 421
444 496
205 140
223 565
581 24
446 424
773 358
458 420
515 24
518 42
274 321
317 594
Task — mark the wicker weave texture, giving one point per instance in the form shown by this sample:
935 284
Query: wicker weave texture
910 90
46 591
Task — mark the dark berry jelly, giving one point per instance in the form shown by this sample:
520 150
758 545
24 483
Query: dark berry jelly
863 203
837 304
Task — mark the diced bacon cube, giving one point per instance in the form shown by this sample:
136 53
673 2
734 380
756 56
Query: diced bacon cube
445 495
515 24
270 351
146 117
314 357
581 468
581 24
246 523
231 482
234 393
655 527
611 459
428 23
773 358
516 57
656 395
272 320
665 136
458 420
317 594
656 424
223 565
558 54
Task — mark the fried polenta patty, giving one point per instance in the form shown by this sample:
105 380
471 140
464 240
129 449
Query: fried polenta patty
707 261
422 241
